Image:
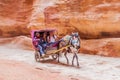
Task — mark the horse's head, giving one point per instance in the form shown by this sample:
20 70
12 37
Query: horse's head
75 40
75 34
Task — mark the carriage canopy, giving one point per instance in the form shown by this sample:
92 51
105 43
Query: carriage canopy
41 31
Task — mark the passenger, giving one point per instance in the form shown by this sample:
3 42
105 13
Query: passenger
51 38
39 40
44 44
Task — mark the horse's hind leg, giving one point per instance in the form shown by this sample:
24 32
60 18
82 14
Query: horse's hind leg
66 57
58 57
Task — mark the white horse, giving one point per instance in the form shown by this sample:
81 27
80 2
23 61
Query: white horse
73 43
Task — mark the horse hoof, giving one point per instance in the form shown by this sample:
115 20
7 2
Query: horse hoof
78 66
72 64
68 63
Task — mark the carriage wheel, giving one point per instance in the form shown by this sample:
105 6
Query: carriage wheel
37 56
54 56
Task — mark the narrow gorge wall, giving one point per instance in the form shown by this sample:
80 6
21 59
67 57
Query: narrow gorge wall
14 17
91 18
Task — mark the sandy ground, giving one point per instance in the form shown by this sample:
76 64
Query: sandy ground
18 64
91 67
14 70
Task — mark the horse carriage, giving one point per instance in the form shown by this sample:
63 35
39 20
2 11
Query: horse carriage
55 49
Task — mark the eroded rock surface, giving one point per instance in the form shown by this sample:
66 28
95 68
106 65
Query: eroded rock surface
91 18
103 47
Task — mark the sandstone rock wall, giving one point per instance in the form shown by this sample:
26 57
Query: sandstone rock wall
91 18
14 17
103 47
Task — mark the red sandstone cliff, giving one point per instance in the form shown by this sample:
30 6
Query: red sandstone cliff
92 18
14 17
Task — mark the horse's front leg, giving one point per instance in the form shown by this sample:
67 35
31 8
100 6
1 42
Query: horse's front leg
77 59
73 59
66 57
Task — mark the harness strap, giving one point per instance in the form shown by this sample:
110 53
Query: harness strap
55 51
